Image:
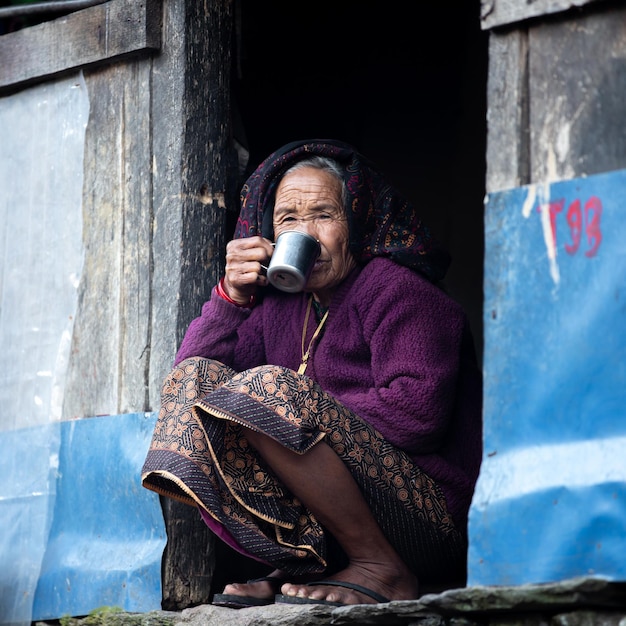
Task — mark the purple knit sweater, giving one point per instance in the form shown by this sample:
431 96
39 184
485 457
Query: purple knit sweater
396 350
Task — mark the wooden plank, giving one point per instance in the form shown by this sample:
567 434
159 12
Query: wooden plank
577 105
494 13
95 35
507 111
135 312
93 369
107 371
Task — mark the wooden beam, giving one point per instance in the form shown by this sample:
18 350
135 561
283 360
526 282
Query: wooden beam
89 37
47 8
494 13
194 181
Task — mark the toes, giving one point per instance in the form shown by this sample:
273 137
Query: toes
289 589
258 589
299 591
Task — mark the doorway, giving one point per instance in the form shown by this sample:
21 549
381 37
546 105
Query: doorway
408 89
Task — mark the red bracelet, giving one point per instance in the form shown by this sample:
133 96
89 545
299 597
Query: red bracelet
221 292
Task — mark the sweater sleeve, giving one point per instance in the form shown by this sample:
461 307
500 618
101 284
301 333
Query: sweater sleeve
226 333
413 333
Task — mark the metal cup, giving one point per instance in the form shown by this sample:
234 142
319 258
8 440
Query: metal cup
291 264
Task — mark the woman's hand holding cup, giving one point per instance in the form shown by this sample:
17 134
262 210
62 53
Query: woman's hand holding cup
246 263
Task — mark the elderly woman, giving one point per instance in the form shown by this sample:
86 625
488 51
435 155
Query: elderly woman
333 434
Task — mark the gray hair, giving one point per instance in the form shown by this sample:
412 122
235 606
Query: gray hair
328 165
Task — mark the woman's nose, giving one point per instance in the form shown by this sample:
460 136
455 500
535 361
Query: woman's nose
308 226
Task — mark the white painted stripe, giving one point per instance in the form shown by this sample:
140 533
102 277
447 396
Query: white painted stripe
529 470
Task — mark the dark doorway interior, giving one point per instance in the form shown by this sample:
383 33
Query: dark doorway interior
405 86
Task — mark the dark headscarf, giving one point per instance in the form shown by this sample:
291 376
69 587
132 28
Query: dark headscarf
381 221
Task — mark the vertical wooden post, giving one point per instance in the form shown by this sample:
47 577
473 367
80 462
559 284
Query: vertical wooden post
194 178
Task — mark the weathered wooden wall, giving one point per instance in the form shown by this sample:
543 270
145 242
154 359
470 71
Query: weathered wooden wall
160 170
101 34
553 306
556 97
157 180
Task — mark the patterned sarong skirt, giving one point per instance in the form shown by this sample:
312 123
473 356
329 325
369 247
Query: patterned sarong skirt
199 454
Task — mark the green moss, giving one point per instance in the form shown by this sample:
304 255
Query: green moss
115 616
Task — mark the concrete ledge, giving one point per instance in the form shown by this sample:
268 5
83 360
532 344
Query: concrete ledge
576 602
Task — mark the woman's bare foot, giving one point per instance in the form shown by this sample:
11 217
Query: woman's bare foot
261 588
343 511
392 583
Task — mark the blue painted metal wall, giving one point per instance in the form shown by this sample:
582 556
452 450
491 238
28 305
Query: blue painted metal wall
105 533
550 503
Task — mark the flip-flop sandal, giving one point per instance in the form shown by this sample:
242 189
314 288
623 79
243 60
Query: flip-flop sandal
332 583
234 601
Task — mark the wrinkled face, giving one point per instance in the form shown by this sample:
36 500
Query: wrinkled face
309 200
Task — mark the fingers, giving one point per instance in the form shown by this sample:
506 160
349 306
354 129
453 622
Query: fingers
248 249
246 260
